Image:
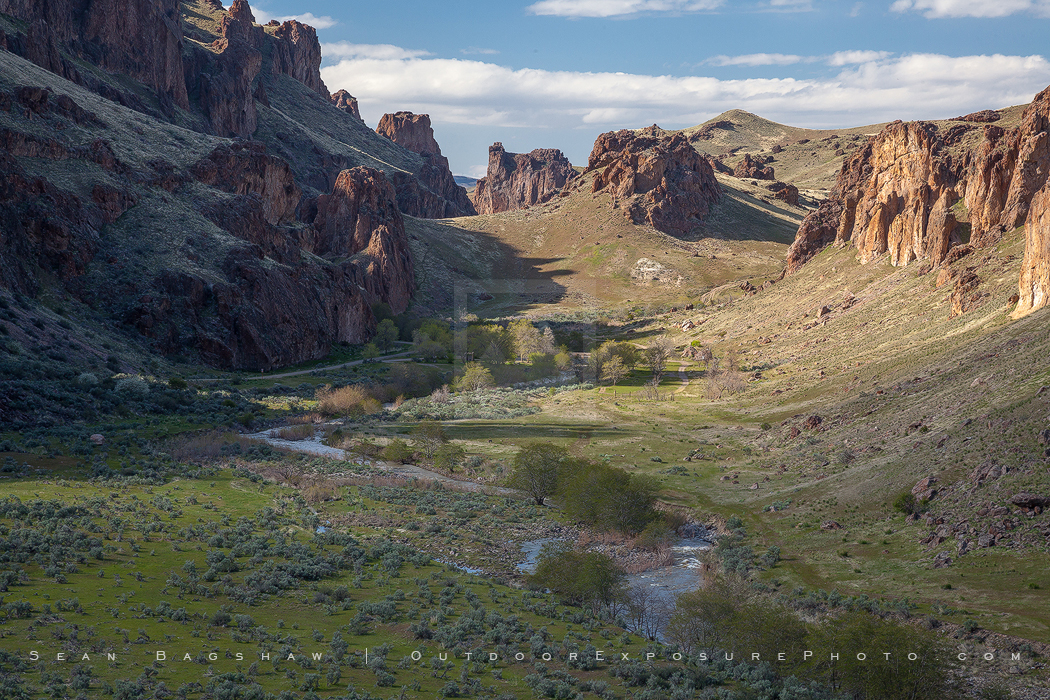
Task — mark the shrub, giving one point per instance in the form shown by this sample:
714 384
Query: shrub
397 451
353 400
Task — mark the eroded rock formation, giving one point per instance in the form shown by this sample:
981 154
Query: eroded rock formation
431 192
520 180
662 180
899 195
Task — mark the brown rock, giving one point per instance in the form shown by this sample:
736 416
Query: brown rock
245 168
431 192
1029 500
141 39
923 485
520 180
297 54
348 103
785 192
965 295
412 131
753 168
668 184
361 216
830 525
813 422
985 115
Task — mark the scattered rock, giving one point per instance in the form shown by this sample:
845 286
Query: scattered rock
830 525
97 439
1028 500
813 422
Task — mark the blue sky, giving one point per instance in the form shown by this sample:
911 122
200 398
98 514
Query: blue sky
556 73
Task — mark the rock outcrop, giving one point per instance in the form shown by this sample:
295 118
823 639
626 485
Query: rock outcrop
659 180
898 195
348 103
431 192
297 54
753 168
520 180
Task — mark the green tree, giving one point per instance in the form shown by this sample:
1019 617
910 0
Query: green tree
614 371
579 578
526 337
475 376
369 352
397 450
536 469
448 456
930 675
386 334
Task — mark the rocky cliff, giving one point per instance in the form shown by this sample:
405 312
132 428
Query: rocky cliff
202 247
659 180
431 192
903 192
141 39
520 180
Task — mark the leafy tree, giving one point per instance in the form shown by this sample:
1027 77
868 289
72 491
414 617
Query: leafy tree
369 352
536 469
386 334
475 376
607 497
527 339
931 675
581 578
397 450
448 456
614 371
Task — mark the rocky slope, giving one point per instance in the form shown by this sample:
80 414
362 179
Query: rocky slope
520 180
431 192
935 192
196 245
218 72
658 179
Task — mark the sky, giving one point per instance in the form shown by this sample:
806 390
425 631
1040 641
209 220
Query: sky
557 73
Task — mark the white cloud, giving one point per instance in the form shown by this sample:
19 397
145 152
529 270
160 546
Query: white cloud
478 93
790 5
971 8
756 59
619 8
846 58
381 52
475 50
323 22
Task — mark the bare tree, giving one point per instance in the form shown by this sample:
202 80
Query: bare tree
656 356
647 612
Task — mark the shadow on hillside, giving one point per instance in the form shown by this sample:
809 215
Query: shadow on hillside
461 271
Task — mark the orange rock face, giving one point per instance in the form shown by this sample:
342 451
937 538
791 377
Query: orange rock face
520 180
896 196
664 181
